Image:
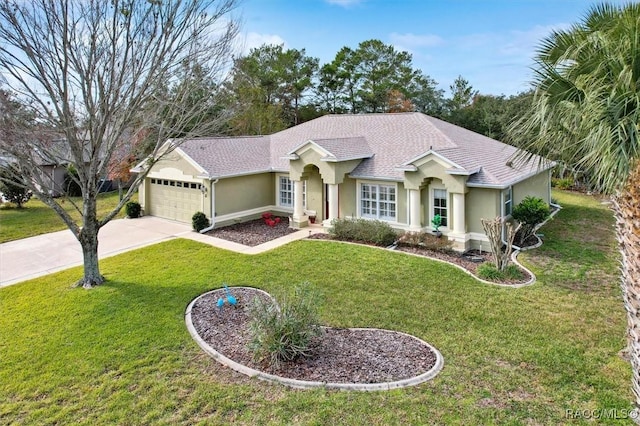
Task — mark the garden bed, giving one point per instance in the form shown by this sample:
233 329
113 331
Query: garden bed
469 260
341 356
253 232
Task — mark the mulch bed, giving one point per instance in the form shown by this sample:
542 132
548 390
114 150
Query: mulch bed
337 356
470 260
253 232
256 232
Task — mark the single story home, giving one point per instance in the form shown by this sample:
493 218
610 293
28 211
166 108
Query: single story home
401 168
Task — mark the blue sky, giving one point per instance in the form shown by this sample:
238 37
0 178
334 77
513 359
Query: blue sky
490 43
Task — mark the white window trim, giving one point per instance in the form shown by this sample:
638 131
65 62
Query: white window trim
293 190
394 185
503 209
432 206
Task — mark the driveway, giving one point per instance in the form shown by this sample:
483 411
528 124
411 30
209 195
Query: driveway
37 256
41 255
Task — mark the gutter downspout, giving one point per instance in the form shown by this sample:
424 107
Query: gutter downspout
212 194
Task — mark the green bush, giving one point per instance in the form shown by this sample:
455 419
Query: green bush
566 183
529 213
285 333
13 191
425 240
133 209
199 221
488 271
364 230
71 186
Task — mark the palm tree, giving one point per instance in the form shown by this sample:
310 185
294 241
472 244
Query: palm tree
586 114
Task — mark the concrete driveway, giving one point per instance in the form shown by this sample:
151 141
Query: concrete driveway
37 256
41 255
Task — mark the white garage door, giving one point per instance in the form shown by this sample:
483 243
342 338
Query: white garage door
175 200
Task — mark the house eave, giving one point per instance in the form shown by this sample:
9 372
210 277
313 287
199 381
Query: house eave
406 168
435 154
332 159
463 172
511 182
380 178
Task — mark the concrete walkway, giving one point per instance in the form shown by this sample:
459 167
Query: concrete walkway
41 255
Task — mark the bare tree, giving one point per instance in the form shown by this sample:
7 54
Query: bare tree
96 77
493 228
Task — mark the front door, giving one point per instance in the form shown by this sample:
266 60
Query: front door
325 197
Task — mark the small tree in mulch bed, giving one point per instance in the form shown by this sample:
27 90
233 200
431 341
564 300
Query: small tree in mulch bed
493 229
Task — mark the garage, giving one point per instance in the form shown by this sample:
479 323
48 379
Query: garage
175 200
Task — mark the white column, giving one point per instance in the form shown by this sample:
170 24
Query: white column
459 226
298 212
333 201
415 208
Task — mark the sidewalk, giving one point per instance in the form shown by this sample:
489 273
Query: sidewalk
34 257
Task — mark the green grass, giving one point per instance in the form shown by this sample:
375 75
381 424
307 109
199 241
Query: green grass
36 218
121 354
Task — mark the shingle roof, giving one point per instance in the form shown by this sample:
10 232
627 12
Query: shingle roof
384 141
342 149
223 157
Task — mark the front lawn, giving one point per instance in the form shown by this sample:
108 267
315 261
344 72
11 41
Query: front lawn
121 354
37 218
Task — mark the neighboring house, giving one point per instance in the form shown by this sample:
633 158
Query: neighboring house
54 160
400 168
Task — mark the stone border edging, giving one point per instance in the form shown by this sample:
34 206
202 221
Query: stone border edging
305 384
519 285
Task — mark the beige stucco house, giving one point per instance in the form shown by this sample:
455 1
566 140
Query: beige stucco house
400 168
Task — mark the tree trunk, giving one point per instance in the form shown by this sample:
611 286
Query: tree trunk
627 209
88 238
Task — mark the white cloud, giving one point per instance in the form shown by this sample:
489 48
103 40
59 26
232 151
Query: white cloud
412 41
252 40
344 3
525 42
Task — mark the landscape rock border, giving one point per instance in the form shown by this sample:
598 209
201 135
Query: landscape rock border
304 384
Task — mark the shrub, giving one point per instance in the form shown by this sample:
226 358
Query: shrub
364 230
199 221
489 272
529 213
12 190
71 186
133 209
566 183
285 333
425 240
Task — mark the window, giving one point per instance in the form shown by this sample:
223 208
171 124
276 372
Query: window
285 191
153 181
378 201
440 205
507 202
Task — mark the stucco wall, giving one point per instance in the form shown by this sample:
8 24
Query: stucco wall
244 193
348 198
535 186
174 166
481 203
401 204
314 192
